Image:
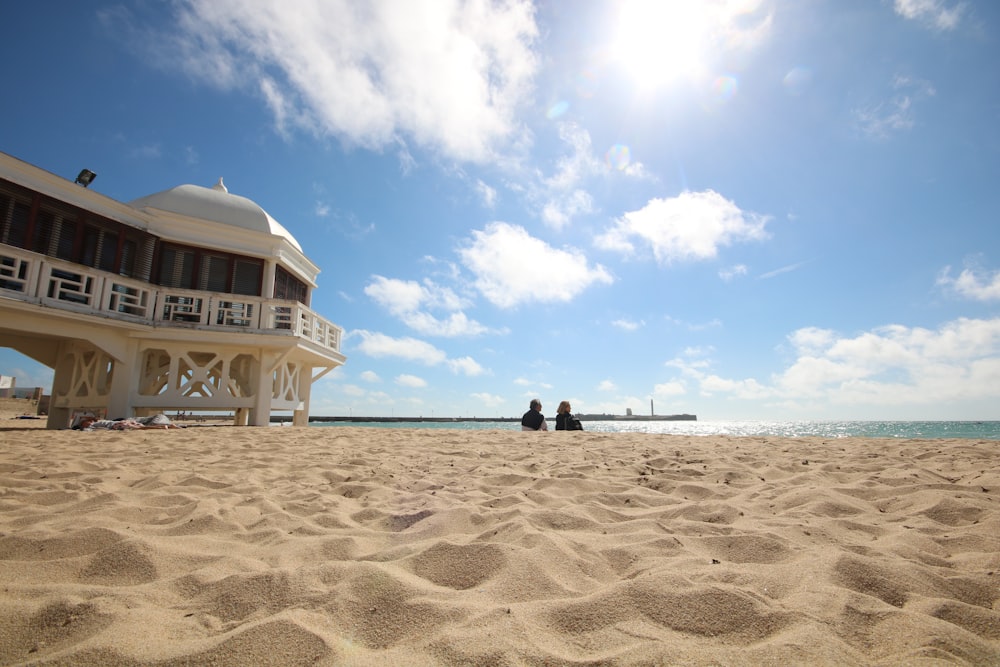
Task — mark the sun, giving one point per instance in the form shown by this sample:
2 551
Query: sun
660 41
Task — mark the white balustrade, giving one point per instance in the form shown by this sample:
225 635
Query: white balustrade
129 297
15 272
36 278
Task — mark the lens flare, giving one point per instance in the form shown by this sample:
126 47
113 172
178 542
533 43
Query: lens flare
725 88
722 90
586 84
557 109
797 80
618 157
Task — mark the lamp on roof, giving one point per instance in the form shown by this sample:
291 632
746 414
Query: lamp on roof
85 177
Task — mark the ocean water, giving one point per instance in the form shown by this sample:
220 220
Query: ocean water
979 430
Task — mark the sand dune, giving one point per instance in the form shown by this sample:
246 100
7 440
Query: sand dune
357 546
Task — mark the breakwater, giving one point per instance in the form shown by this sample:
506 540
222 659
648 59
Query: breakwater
445 420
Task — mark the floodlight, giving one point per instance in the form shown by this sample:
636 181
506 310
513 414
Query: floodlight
86 177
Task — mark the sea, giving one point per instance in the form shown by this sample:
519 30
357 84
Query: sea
975 430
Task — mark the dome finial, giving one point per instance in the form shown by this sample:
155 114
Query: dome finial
220 186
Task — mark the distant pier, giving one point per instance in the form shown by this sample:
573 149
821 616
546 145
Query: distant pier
448 420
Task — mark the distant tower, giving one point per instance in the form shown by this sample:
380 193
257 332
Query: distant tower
628 412
651 412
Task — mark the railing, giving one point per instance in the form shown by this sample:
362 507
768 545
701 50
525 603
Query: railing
55 283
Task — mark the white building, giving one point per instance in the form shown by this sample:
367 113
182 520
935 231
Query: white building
189 299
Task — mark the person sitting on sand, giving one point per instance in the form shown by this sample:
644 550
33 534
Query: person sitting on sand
533 419
565 421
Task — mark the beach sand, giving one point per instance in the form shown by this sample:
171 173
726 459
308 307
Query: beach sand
361 546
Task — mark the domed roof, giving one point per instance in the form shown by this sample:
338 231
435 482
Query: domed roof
215 204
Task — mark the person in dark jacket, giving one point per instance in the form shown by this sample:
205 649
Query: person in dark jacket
533 419
565 421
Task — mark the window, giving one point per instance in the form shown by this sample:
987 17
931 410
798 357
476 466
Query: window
287 286
127 266
247 276
215 275
15 212
210 271
99 248
176 267
50 227
13 220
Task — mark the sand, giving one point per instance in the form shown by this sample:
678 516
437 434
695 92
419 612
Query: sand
360 546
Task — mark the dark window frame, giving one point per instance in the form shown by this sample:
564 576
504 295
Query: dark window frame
203 269
55 228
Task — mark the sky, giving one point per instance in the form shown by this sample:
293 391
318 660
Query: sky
739 209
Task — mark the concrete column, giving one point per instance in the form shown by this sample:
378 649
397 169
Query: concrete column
62 380
267 286
125 382
301 416
260 414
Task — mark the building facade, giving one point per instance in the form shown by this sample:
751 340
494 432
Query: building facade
190 299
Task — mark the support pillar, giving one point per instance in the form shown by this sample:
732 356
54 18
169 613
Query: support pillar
301 415
124 381
260 414
62 380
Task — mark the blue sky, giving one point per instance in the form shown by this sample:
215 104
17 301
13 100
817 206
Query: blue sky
753 209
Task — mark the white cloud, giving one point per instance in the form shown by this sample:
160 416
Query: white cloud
379 345
690 226
512 268
370 376
352 390
407 299
937 13
147 152
748 389
628 325
358 71
891 366
896 114
972 283
411 381
732 272
562 195
465 366
811 340
564 199
558 213
456 324
607 385
524 382
487 194
885 118
579 163
398 296
784 269
489 400
669 389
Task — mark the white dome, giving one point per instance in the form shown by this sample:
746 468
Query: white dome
215 204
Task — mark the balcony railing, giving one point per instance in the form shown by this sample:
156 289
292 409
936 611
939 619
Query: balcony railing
55 283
